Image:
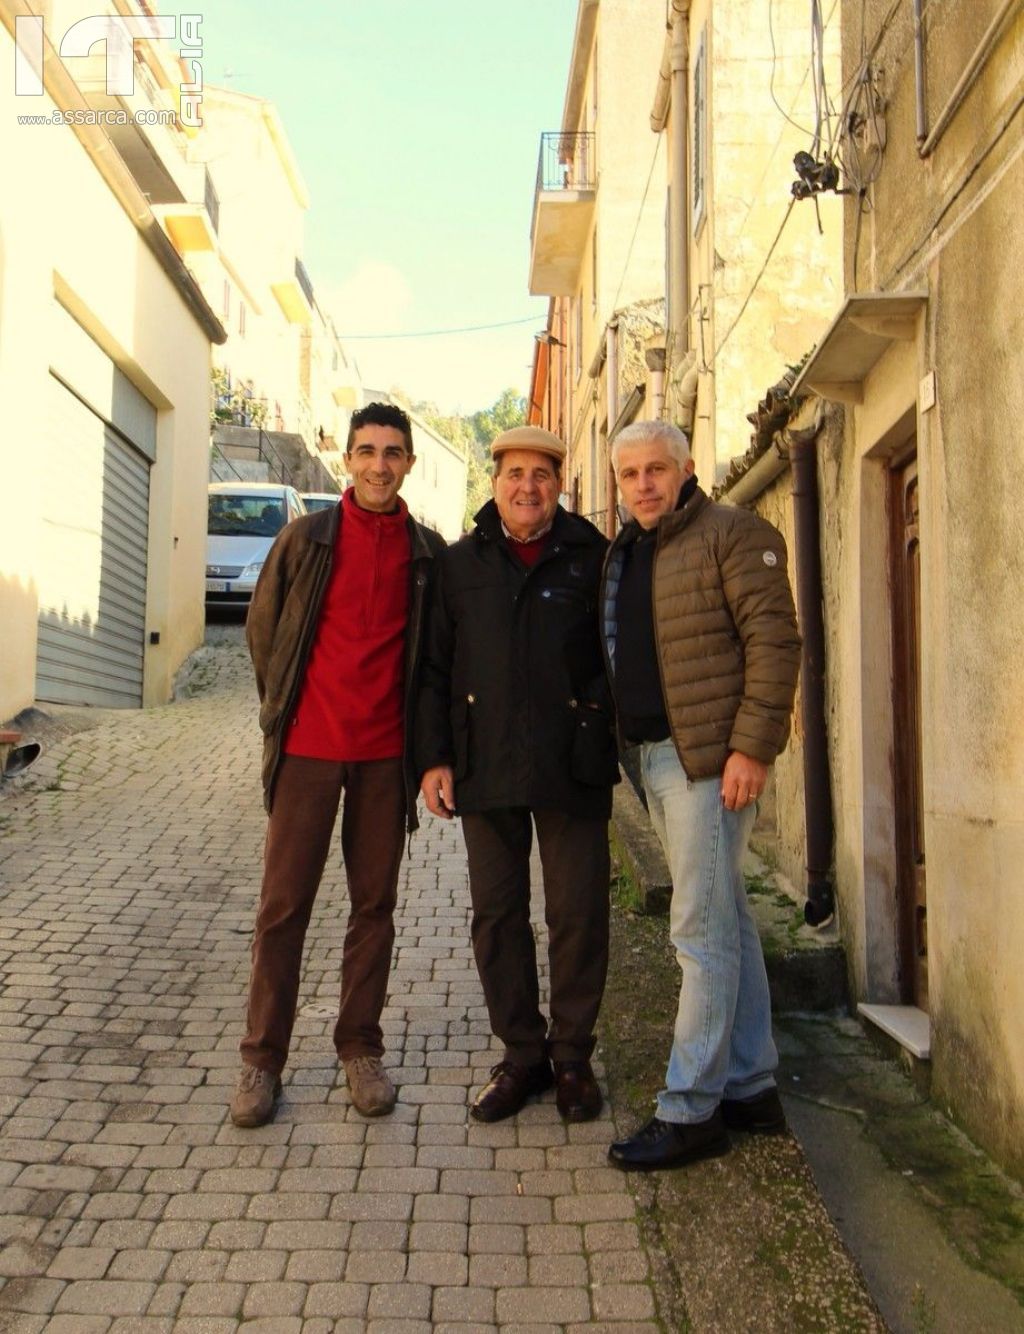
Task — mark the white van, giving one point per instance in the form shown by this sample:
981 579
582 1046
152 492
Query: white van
244 518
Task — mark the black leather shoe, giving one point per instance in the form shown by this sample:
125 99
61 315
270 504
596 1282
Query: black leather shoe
670 1144
760 1115
577 1095
509 1087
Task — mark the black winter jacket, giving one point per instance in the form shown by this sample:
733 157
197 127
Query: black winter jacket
513 691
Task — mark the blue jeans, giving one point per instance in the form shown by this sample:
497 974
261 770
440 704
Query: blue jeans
722 1044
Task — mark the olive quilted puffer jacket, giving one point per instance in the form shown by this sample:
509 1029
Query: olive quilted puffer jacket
728 644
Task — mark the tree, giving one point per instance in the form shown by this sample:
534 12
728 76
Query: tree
474 434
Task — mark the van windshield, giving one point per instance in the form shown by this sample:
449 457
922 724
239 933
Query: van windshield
245 516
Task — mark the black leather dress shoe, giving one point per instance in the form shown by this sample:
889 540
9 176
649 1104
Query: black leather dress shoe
577 1095
509 1087
760 1115
670 1144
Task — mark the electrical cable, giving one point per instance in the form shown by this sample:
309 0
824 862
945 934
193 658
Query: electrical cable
753 287
639 216
437 333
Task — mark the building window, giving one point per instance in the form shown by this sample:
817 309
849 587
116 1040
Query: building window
227 299
700 131
241 319
593 270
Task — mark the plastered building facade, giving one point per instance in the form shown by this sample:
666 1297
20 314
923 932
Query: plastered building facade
919 380
104 372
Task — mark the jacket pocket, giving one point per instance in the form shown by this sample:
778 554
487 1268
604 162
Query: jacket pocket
461 715
595 758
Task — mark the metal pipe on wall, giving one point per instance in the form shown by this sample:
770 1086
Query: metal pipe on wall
679 278
966 80
611 371
820 905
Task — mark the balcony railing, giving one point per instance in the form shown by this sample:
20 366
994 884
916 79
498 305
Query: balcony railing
566 161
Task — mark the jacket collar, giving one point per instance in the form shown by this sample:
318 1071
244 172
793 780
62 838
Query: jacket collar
668 524
324 525
568 528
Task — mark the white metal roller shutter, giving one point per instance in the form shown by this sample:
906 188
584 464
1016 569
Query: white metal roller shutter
92 594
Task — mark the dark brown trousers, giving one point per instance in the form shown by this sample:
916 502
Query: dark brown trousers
575 861
306 798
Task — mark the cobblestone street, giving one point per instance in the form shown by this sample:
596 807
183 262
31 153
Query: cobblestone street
130 1203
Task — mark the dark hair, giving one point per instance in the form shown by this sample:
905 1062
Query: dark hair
380 414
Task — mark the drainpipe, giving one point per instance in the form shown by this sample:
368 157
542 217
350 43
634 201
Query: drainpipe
820 906
968 77
611 371
678 304
919 90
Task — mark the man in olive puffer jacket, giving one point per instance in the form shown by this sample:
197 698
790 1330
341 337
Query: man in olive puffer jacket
703 653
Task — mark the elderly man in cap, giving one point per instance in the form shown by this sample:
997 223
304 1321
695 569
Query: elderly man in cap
514 731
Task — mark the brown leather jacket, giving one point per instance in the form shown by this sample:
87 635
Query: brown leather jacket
728 644
283 617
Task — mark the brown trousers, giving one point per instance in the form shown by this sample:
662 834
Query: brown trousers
575 861
306 798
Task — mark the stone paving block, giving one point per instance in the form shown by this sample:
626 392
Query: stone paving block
179 1236
619 1267
272 1325
438 1237
274 1299
376 1266
78 1324
441 1208
558 1271
399 1301
307 1236
197 1267
36 1296
623 1301
497 1270
105 1297
357 1207
463 1305
257 1266
542 1305
611 1237
140 1265
337 1300
510 1209
450 1268
496 1239
594 1208
297 1205
75 1262
316 1266
143 1324
205 1324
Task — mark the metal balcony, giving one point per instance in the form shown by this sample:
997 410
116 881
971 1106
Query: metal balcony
563 211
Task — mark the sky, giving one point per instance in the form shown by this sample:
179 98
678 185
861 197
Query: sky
416 124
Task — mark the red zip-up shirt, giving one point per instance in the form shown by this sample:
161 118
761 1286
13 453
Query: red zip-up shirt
350 703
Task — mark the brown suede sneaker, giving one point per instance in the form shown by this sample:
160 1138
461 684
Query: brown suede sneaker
256 1095
373 1093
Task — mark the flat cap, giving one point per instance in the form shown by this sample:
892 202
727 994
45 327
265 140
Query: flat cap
528 437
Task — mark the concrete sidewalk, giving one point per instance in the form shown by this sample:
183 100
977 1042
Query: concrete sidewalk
130 1203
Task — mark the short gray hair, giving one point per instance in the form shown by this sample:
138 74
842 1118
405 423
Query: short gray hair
653 433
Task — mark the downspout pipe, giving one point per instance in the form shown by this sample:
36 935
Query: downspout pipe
678 304
819 908
967 78
611 371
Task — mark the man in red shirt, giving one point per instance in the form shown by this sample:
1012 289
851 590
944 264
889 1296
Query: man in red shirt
334 631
